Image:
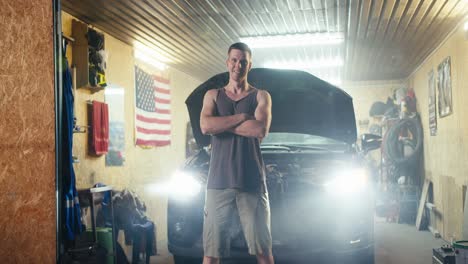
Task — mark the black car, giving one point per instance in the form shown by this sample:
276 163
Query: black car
320 192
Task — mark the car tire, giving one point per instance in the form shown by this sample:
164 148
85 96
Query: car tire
187 260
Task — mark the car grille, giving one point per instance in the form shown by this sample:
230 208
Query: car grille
306 215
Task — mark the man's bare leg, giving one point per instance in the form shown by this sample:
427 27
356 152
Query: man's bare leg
210 260
265 259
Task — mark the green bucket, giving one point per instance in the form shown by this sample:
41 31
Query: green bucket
104 239
461 251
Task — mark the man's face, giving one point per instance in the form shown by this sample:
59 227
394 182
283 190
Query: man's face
238 64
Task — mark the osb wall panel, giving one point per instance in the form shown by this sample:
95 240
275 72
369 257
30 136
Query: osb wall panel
142 167
27 161
91 169
452 208
445 154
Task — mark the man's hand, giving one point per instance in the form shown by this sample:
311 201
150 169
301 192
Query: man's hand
260 125
246 117
211 124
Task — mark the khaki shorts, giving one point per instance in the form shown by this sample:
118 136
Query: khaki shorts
254 213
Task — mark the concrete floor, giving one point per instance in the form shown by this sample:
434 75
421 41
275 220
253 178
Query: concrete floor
395 244
402 244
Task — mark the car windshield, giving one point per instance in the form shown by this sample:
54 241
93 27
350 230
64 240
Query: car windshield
298 140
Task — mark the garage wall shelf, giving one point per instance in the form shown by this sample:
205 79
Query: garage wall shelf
80 53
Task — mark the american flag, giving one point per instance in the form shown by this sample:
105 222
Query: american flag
153 110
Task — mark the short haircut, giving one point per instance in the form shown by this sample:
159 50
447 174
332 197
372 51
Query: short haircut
240 46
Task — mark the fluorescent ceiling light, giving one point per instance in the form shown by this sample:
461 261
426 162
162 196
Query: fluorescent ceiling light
152 52
150 56
300 65
312 67
149 60
289 40
465 27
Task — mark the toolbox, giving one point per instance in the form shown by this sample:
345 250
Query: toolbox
443 255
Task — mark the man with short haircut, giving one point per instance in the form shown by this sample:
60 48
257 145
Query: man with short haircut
238 117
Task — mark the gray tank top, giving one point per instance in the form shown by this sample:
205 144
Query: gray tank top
236 161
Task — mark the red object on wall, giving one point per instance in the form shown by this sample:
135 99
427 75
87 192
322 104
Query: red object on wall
100 128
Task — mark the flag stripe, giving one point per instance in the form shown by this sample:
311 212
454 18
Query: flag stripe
163 91
162 86
153 110
152 120
160 79
162 101
163 106
162 95
161 111
153 131
153 143
156 115
154 137
147 125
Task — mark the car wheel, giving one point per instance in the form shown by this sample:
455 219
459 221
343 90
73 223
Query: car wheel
187 260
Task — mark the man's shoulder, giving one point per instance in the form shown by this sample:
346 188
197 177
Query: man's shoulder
212 93
259 90
262 94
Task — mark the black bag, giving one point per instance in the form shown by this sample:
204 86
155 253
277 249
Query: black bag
95 39
92 255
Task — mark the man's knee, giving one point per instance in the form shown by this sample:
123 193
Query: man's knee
265 258
210 260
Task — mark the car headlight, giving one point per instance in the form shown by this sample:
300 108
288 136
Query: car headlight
183 185
348 182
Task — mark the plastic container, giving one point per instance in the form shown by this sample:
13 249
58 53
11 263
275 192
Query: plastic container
461 251
104 239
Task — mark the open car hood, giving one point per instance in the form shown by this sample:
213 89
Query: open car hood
301 103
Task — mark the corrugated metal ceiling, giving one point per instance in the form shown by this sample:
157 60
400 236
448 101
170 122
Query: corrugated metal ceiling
384 39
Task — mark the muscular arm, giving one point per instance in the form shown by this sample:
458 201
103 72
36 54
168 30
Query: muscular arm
259 127
211 124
